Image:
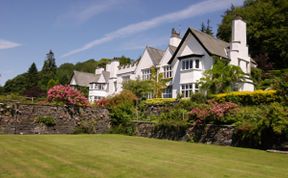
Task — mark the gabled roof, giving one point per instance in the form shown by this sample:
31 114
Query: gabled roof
155 54
172 48
84 78
213 46
106 76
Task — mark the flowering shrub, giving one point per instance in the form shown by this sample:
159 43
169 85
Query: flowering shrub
220 109
102 102
67 95
248 97
213 112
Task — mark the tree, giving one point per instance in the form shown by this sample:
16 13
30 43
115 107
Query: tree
124 60
32 75
64 73
48 71
17 85
207 28
221 78
139 87
267 34
158 82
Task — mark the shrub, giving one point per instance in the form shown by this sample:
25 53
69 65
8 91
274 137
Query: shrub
198 98
212 113
173 114
125 96
86 126
67 95
46 120
248 97
103 102
262 126
122 113
159 101
282 88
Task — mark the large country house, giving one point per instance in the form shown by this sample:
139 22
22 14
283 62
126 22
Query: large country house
183 61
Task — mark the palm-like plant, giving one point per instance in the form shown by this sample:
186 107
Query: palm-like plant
221 78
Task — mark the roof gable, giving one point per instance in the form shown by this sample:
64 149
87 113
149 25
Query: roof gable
211 45
83 78
155 54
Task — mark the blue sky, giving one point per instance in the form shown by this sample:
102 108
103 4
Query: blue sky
77 30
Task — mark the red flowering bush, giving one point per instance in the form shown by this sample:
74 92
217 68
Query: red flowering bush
213 112
220 109
67 95
102 102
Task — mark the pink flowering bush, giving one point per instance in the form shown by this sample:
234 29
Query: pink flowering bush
213 112
67 95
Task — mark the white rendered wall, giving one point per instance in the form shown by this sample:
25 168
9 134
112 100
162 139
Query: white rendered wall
144 63
190 46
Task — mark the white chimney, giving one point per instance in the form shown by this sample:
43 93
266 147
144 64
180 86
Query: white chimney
239 31
113 68
238 51
175 38
99 70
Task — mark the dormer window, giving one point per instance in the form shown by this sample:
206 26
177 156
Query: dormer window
188 64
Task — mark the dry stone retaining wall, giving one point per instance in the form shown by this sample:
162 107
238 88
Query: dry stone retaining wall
22 119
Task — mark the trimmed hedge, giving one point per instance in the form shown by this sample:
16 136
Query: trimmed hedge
248 98
159 101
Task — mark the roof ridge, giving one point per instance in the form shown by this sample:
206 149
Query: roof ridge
210 36
155 48
82 72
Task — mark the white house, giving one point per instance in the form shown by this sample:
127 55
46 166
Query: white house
184 61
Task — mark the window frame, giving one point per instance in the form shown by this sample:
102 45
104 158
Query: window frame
191 63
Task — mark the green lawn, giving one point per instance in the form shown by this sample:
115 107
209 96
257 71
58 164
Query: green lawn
123 156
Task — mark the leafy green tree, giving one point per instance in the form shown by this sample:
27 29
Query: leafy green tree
64 73
267 34
139 87
16 85
1 90
158 82
124 60
52 83
221 78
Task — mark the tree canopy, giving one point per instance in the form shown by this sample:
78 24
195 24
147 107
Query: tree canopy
267 30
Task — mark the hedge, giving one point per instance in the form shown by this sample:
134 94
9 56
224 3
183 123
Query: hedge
248 97
159 101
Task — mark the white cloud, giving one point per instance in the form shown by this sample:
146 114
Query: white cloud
194 10
80 14
140 43
4 44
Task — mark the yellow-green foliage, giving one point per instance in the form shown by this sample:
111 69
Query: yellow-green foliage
159 101
248 97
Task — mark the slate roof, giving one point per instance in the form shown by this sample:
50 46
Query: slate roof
155 54
85 78
172 48
106 76
213 45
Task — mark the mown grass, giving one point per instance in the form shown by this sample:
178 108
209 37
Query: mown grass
124 156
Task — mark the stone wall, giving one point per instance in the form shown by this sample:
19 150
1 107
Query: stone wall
24 119
210 134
